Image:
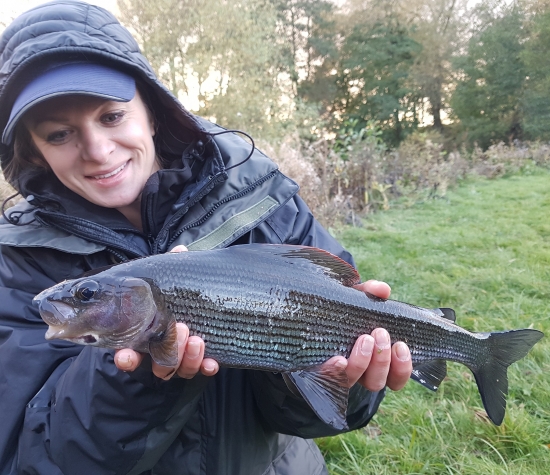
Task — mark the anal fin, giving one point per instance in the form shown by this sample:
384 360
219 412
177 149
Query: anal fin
326 391
430 374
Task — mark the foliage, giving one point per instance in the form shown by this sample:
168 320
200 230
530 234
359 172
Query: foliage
536 101
439 27
492 74
312 67
501 159
306 32
373 78
420 167
484 251
6 191
222 51
346 178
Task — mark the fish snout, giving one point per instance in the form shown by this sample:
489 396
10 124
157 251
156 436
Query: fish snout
54 313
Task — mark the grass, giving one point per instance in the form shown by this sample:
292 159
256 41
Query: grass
484 250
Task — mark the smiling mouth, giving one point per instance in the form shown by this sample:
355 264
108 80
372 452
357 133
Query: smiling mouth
113 173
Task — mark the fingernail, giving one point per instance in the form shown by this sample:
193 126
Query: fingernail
402 351
341 363
382 339
169 375
367 345
209 367
123 363
193 349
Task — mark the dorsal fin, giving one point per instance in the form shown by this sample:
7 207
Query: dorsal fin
331 265
447 313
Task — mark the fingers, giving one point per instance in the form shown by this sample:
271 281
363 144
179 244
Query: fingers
374 363
360 358
190 354
193 360
179 248
375 376
401 366
190 358
376 288
127 360
209 367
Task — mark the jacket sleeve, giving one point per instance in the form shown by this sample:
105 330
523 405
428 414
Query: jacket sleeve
284 412
67 408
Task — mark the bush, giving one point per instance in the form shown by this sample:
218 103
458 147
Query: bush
347 176
5 192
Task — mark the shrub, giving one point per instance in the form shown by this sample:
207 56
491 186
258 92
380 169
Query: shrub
349 175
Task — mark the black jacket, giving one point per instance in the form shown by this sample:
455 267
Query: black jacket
66 408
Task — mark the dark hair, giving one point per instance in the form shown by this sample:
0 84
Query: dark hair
25 160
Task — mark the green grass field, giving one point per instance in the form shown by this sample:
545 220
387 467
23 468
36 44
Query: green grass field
484 250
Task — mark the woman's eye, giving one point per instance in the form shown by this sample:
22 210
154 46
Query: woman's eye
112 117
57 137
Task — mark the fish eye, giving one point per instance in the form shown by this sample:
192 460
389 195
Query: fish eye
86 290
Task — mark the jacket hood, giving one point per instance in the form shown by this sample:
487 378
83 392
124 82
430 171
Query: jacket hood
65 30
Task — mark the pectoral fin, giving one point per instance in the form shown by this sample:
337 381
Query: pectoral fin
164 348
325 390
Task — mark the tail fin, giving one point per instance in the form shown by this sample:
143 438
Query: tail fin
505 348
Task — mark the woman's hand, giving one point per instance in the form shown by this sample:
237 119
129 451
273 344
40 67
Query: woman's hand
374 362
190 358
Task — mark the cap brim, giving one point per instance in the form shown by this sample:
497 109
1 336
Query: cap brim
78 78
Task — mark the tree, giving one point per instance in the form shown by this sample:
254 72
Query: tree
306 30
536 102
487 99
224 53
439 26
373 78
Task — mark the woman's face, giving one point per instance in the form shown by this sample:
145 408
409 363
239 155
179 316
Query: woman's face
102 150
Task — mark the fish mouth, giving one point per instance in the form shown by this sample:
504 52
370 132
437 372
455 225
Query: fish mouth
62 333
55 313
55 332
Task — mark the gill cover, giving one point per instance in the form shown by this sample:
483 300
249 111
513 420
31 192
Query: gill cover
137 309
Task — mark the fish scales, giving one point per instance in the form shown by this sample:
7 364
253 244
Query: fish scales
273 307
270 321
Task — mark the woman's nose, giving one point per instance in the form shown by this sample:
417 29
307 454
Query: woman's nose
96 144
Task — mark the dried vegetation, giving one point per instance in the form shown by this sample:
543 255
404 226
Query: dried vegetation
341 184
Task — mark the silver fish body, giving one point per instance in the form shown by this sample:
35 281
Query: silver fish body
279 308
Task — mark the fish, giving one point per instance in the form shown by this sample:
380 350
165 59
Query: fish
280 308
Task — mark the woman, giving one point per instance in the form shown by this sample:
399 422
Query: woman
112 167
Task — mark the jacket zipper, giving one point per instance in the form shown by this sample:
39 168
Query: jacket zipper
219 203
213 180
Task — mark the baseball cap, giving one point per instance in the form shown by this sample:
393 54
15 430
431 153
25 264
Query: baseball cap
71 78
